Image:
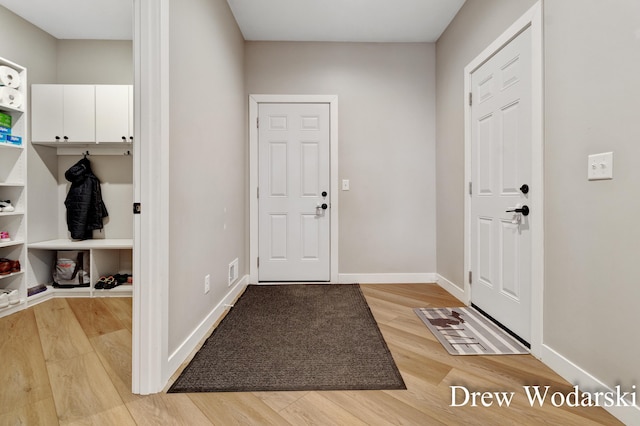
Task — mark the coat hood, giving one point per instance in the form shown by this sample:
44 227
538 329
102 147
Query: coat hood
79 171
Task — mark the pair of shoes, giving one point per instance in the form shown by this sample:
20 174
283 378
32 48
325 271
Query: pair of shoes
6 207
9 297
106 283
8 266
4 237
122 278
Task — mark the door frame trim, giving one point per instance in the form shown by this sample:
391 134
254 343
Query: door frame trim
533 19
254 101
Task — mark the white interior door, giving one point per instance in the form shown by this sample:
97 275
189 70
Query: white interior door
501 164
294 183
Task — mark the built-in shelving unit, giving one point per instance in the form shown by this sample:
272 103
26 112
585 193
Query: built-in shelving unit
94 121
13 177
66 121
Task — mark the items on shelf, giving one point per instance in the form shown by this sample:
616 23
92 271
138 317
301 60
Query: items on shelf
8 266
71 269
110 281
6 136
4 237
38 288
85 207
9 297
6 207
9 77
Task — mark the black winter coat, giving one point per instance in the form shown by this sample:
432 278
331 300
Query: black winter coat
85 208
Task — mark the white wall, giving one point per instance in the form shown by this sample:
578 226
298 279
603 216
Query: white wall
208 160
592 87
386 104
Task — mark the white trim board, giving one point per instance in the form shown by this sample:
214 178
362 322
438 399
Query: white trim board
533 19
254 100
202 330
453 289
394 278
577 376
149 366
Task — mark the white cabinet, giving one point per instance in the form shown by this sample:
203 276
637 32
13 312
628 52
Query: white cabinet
81 114
63 113
114 113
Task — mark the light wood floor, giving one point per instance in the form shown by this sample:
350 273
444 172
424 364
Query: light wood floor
68 361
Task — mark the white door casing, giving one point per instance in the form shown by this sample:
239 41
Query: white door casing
294 199
501 164
506 276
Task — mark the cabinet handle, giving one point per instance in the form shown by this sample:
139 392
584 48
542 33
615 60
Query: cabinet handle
66 138
131 138
57 138
124 138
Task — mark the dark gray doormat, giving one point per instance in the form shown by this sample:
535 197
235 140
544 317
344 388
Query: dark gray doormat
294 337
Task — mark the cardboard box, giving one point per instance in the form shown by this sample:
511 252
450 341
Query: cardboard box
14 140
5 120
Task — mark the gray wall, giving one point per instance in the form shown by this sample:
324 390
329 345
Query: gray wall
29 46
208 166
592 247
592 63
95 62
386 104
476 25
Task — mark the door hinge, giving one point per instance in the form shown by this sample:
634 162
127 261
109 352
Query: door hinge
470 98
258 192
258 122
258 262
470 188
136 208
470 277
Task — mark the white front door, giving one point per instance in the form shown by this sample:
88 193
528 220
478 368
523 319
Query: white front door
501 164
293 198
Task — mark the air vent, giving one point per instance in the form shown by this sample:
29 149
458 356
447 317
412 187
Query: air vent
233 272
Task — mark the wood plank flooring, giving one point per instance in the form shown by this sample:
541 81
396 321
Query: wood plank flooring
68 362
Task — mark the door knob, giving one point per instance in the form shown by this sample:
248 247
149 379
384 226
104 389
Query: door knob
324 193
324 206
524 210
524 188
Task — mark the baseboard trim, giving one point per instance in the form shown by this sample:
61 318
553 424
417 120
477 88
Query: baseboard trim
578 376
399 278
455 291
186 348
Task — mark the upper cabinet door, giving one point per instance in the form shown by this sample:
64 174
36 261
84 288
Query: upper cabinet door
79 113
46 110
112 113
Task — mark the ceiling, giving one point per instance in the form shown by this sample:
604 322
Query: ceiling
282 20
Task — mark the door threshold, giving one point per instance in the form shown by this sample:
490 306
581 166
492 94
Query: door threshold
499 324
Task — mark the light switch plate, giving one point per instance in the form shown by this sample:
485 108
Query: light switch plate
600 166
345 184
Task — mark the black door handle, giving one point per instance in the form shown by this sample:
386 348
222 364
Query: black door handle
524 210
524 188
324 206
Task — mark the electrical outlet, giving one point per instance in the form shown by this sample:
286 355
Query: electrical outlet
207 283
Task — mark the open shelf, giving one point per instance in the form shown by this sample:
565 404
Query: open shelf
64 244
